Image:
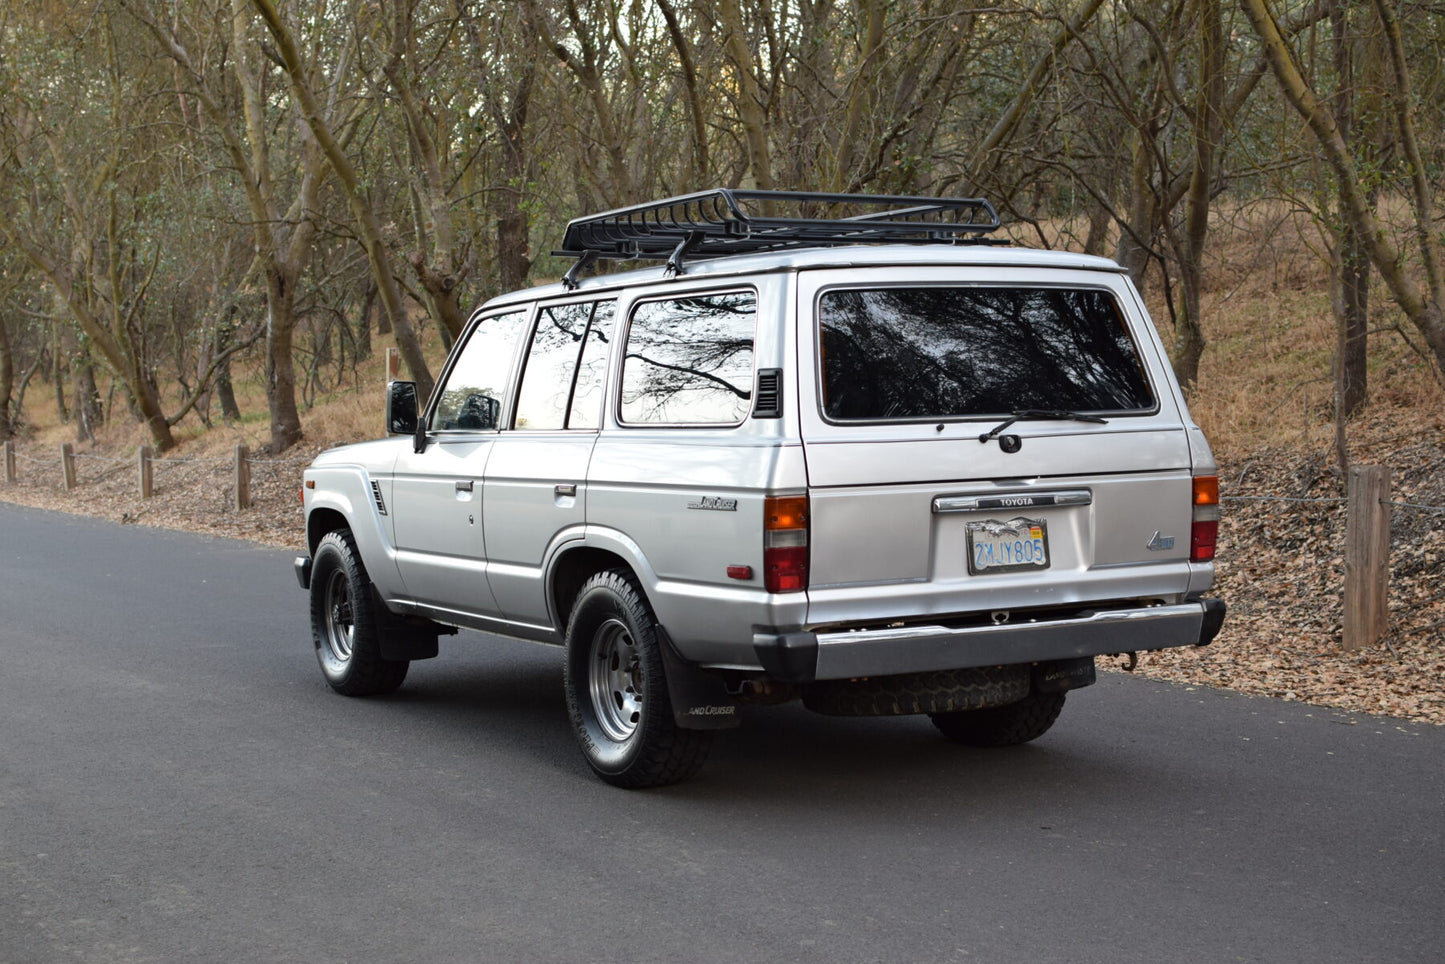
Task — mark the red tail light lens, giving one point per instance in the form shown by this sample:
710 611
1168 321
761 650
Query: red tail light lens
1204 530
785 543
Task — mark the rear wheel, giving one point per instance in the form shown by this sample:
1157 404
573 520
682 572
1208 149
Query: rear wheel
344 624
1028 719
617 694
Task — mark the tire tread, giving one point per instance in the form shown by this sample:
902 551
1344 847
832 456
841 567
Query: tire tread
366 673
1011 725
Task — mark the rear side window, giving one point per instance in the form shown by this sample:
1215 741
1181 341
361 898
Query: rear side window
586 409
689 361
938 352
566 363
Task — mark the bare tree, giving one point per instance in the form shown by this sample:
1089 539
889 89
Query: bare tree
1421 304
298 73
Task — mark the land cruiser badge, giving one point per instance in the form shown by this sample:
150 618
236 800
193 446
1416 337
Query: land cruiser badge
715 504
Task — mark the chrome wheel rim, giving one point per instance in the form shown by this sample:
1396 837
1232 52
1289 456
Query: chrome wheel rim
615 681
340 634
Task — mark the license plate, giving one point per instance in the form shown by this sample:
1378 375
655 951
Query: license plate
1011 546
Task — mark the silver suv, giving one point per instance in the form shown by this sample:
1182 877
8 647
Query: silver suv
836 448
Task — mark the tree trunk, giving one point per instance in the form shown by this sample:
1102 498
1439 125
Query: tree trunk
7 383
439 264
89 410
1205 129
280 369
226 392
363 324
1137 235
1352 313
749 95
60 350
700 162
1350 261
513 225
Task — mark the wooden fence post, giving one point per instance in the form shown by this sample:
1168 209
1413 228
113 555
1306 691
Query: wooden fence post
67 464
243 477
1367 556
9 463
146 472
393 364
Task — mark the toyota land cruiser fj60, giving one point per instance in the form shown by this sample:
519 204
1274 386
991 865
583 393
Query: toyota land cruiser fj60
854 454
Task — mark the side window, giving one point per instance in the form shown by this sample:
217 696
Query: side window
566 366
689 361
551 363
471 397
592 370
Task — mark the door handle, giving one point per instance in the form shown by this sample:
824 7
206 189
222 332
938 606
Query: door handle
566 490
465 486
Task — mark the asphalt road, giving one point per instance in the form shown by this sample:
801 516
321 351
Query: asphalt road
177 784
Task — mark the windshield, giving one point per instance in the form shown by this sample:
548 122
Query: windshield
939 352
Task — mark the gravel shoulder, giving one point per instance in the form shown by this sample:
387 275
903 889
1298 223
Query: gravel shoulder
1281 557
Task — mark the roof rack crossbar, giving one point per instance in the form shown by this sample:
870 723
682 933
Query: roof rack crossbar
725 221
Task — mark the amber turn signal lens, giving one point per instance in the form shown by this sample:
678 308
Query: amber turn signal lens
786 512
1206 490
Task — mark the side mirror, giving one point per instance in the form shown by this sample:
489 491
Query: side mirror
401 414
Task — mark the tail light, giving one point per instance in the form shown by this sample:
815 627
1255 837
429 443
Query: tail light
785 543
1204 530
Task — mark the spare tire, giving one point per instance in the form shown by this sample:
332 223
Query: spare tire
946 691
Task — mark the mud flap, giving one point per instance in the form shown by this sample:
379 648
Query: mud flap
1061 675
700 700
406 638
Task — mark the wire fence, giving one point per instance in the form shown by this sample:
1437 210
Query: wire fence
241 465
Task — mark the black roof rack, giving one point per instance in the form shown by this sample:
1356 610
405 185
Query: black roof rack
724 221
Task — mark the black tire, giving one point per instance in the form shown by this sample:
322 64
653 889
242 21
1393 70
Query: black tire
344 625
616 689
1028 719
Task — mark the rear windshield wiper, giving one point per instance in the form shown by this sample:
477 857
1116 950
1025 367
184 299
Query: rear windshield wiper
1035 414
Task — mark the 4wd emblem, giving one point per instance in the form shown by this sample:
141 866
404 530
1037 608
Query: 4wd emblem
715 504
1159 542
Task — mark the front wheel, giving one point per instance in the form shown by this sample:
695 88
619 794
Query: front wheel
617 694
344 624
1010 725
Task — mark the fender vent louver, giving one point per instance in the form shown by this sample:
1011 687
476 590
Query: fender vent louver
376 495
769 396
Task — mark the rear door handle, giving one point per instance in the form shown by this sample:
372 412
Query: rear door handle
566 490
465 486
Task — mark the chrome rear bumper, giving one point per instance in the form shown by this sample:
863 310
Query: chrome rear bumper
802 657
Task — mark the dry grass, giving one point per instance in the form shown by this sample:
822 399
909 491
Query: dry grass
1266 378
1264 399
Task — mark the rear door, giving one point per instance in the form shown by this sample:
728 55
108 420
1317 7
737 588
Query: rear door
924 504
536 484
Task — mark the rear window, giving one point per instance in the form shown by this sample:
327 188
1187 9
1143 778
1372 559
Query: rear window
938 352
